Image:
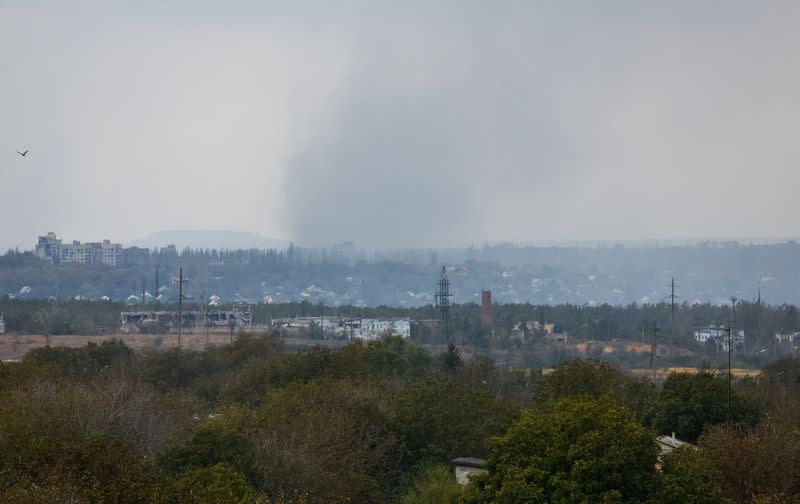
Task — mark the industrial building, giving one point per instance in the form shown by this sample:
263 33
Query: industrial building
239 317
346 328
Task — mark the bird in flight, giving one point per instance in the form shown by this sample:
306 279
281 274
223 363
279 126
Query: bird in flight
23 154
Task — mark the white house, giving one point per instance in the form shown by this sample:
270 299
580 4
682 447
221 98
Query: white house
719 336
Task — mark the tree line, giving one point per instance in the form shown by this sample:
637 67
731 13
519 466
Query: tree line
380 422
509 332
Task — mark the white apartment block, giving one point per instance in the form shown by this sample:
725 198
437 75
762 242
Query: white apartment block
51 249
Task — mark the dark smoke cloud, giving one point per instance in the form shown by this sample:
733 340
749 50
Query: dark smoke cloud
547 121
410 123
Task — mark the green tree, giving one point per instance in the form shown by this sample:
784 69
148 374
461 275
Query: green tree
440 418
327 439
210 446
89 359
435 484
760 464
689 478
689 403
70 469
584 450
450 359
595 378
217 484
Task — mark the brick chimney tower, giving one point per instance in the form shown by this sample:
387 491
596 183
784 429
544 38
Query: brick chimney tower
486 308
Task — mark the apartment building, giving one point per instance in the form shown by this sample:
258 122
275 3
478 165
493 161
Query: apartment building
52 249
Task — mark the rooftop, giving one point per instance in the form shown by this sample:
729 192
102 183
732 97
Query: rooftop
469 462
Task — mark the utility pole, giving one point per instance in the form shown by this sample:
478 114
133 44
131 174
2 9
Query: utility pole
203 314
653 348
730 328
180 305
758 320
156 298
672 299
322 318
729 374
643 323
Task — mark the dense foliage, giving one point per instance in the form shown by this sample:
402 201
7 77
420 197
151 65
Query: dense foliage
380 422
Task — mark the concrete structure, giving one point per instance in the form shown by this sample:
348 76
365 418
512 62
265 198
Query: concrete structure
111 253
48 248
534 328
346 328
486 308
786 343
135 255
239 317
467 467
51 249
719 337
790 337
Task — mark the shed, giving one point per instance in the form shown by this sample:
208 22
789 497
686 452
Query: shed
466 467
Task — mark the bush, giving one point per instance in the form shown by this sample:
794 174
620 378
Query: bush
434 484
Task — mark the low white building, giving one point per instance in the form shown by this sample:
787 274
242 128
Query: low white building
788 337
719 337
373 329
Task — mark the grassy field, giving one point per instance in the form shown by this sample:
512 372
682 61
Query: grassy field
15 346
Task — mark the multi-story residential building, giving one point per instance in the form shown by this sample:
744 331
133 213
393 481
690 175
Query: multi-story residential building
111 253
73 253
51 249
136 255
48 248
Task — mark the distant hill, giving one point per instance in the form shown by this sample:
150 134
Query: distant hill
210 239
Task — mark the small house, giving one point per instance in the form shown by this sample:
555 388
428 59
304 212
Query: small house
668 444
467 467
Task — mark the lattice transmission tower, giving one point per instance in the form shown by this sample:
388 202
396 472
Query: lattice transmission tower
442 299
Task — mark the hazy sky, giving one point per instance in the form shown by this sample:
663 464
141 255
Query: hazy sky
400 123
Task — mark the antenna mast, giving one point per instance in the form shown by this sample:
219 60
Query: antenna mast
653 350
442 298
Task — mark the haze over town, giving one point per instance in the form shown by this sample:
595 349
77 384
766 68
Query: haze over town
400 124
